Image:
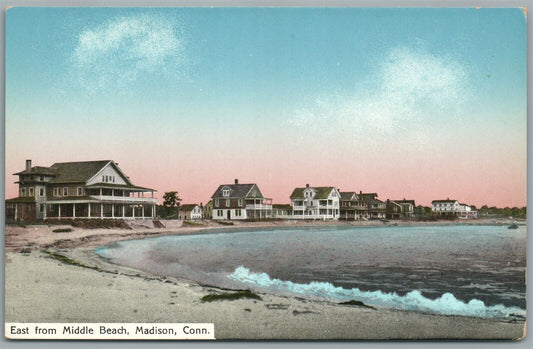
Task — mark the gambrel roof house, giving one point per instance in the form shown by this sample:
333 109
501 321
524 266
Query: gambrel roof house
81 189
240 201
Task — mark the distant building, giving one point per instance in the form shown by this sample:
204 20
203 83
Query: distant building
85 189
466 212
315 203
207 210
452 208
351 207
393 209
407 209
281 211
375 208
240 201
188 212
445 207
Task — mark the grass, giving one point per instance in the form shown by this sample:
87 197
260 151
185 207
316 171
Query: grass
62 230
194 223
230 296
70 261
357 303
224 223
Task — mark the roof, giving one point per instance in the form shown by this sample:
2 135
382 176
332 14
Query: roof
22 199
187 207
347 195
38 170
77 172
321 192
118 186
447 200
238 191
405 201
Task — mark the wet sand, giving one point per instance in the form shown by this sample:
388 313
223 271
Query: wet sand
41 288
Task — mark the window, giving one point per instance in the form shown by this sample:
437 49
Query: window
225 192
227 202
80 191
41 178
219 213
56 192
41 208
65 191
41 191
31 191
217 203
240 202
238 213
23 192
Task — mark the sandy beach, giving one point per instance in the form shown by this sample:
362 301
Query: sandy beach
40 287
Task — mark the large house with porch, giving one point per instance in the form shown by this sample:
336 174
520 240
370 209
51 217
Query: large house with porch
315 203
452 208
240 201
352 207
83 189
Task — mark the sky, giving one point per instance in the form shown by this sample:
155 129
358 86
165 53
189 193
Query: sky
411 103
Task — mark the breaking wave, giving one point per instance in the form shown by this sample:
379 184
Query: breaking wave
447 304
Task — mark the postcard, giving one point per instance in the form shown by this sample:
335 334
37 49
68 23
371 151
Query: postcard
198 173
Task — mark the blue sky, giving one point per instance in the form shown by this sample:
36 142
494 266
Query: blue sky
361 88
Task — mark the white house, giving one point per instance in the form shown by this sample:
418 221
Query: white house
190 212
315 203
445 207
466 212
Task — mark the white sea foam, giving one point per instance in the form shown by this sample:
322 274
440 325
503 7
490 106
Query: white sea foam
414 301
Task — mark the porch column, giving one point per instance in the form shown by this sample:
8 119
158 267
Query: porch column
113 208
16 210
73 210
133 211
58 210
142 211
45 208
89 210
153 213
101 209
123 210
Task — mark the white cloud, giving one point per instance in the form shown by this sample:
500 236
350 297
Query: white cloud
118 51
407 86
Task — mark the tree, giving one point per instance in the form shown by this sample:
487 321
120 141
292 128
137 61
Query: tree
171 201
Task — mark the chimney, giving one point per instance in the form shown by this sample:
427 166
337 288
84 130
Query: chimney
307 185
236 181
360 192
28 165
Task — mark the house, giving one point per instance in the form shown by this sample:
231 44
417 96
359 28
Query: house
282 211
394 210
315 203
466 212
375 208
445 207
207 211
240 201
189 212
84 189
351 207
407 208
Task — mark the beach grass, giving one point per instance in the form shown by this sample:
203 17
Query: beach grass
230 296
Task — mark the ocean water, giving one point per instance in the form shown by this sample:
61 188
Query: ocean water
456 269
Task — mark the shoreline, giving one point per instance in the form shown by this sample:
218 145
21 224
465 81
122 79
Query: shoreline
40 288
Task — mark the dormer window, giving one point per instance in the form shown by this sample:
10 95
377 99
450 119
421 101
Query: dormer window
225 192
